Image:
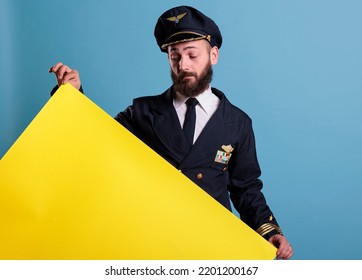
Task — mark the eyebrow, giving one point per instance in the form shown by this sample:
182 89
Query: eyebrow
184 49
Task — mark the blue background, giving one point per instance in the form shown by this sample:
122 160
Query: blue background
294 66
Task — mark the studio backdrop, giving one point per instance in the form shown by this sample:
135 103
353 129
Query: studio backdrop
294 66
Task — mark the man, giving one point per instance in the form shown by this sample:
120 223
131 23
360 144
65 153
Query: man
194 127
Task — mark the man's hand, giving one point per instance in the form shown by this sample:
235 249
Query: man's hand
285 250
64 75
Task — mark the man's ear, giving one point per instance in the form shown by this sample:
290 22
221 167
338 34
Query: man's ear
214 55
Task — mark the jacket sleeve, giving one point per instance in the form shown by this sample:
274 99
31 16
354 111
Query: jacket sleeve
245 187
125 118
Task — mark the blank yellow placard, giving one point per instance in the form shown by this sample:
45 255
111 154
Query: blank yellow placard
77 185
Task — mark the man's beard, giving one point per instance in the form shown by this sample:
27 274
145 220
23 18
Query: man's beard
189 88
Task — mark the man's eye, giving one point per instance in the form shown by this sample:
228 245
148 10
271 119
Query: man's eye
174 57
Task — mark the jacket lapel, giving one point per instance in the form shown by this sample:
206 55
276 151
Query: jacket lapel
167 126
212 137
168 130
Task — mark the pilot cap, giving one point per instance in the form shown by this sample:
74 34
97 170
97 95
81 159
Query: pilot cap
184 23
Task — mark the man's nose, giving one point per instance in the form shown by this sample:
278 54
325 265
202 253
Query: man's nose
184 64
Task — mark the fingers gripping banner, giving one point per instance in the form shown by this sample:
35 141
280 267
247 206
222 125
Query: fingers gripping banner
77 185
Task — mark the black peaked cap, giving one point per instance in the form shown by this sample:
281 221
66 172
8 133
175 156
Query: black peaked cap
184 23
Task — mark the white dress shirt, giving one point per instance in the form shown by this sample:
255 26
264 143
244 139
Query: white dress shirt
208 103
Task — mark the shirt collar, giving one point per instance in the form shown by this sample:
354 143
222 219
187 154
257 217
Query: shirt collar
205 100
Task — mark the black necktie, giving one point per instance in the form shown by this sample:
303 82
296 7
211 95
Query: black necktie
190 120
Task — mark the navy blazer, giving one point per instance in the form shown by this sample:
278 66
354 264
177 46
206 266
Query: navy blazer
154 120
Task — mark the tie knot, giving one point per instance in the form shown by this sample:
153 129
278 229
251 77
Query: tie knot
192 102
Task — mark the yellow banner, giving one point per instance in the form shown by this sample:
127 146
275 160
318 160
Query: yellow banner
77 185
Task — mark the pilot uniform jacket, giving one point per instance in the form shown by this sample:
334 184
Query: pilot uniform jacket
223 174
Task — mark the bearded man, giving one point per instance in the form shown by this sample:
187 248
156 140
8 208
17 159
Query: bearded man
193 125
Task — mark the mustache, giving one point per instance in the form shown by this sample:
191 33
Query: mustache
184 74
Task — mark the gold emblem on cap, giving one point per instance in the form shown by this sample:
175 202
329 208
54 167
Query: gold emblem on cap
176 19
227 148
